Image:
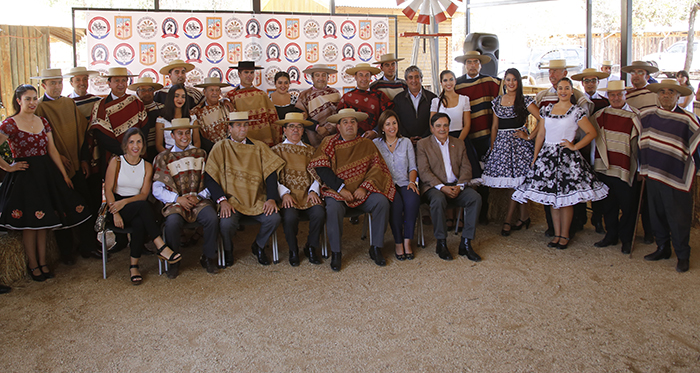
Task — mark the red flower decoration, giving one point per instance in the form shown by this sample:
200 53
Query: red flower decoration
16 214
79 208
39 215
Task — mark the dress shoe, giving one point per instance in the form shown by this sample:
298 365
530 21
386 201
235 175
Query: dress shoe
605 242
599 227
662 252
504 232
294 257
409 256
228 258
442 251
683 265
376 254
466 248
173 270
209 264
400 256
648 239
336 258
46 271
553 244
310 253
522 223
5 289
38 278
563 246
259 253
626 248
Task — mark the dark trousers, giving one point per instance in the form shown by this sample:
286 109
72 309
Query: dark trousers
404 211
621 197
86 232
209 221
139 216
469 199
315 214
376 204
229 226
671 213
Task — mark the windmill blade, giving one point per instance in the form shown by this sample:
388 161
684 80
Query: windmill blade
424 16
449 6
411 9
437 11
399 2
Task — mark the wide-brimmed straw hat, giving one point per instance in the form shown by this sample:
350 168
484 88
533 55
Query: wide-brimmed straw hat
363 67
387 58
320 68
118 71
239 116
639 65
212 81
557 64
294 117
165 70
589 72
246 65
670 84
614 85
180 123
145 81
473 55
347 113
606 63
80 70
49 74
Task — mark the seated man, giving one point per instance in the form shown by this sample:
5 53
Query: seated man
445 171
241 175
354 177
178 182
300 192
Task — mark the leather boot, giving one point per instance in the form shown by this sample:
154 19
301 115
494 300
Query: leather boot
662 252
376 254
259 253
336 258
228 258
442 251
310 253
466 248
209 264
294 257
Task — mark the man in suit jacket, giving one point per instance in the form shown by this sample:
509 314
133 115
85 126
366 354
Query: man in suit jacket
413 106
445 171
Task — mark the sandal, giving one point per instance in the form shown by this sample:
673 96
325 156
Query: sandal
504 232
48 274
174 257
135 279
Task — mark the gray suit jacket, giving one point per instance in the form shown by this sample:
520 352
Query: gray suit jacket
431 166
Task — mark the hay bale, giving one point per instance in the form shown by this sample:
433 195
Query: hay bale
13 261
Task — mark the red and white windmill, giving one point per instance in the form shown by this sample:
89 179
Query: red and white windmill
427 8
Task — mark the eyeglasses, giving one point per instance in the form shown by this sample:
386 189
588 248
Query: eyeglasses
295 126
594 80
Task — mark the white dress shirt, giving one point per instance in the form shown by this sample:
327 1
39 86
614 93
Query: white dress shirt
445 150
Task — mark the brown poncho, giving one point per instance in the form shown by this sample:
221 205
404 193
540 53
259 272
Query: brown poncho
295 176
182 173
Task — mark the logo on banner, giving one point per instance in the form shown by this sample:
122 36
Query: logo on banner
214 27
169 28
232 76
193 53
215 72
381 29
235 52
258 78
192 28
273 52
292 28
348 52
234 28
99 83
98 28
99 54
365 52
294 74
311 28
365 30
292 52
196 76
379 50
270 74
273 28
330 52
124 54
122 27
252 28
169 52
150 73
147 53
348 79
214 53
348 29
329 29
147 27
253 52
312 52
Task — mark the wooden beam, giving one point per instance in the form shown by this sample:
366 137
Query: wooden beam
6 88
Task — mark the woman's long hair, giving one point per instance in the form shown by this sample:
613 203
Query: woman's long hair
383 117
686 75
19 92
519 103
168 112
443 99
572 99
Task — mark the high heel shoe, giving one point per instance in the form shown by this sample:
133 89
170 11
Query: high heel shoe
563 246
135 279
38 278
553 244
400 256
522 223
48 274
174 257
506 233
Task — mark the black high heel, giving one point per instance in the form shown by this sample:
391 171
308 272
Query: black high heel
524 223
554 244
48 274
135 279
400 256
506 233
564 246
37 278
174 257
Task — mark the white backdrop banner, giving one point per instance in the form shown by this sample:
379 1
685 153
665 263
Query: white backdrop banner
143 42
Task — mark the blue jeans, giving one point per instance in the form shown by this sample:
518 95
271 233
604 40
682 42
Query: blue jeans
404 211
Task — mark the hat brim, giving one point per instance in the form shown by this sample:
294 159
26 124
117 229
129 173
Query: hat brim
136 86
114 76
184 126
47 77
606 89
205 85
246 68
656 87
360 116
598 74
86 72
303 122
381 62
240 120
483 59
320 70
165 70
372 70
547 67
649 69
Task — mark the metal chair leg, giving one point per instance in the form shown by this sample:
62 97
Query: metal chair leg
369 223
275 248
324 244
104 254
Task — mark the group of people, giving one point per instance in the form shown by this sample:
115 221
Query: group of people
218 160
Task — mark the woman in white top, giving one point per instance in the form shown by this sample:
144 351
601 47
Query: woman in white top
176 106
127 186
454 105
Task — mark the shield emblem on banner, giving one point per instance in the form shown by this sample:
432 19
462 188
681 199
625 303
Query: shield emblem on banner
235 52
258 78
365 31
147 53
333 78
312 52
292 28
122 27
214 27
379 50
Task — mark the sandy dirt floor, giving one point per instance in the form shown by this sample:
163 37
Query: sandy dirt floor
525 308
